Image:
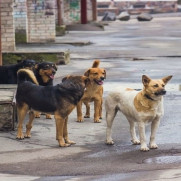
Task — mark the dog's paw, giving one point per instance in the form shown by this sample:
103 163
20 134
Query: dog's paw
37 115
80 120
64 145
62 142
153 146
87 116
144 148
70 142
110 142
20 136
135 142
48 116
97 121
27 135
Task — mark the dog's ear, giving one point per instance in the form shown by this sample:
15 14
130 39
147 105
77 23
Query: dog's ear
87 73
65 78
166 79
36 66
86 79
146 80
55 66
104 73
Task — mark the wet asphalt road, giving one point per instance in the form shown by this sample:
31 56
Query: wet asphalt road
127 50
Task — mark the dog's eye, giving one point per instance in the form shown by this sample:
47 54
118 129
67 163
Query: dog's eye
156 85
95 73
163 85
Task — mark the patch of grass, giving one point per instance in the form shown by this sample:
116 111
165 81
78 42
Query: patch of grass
9 58
20 37
60 30
58 58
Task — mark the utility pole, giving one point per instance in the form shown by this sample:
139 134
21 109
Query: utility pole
83 11
94 10
59 7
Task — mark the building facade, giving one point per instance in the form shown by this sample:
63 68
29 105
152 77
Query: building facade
37 19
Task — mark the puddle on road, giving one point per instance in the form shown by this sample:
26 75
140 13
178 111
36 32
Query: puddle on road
163 160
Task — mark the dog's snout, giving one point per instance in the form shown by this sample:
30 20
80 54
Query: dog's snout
102 78
164 92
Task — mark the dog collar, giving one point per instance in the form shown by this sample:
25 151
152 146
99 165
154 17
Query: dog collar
148 97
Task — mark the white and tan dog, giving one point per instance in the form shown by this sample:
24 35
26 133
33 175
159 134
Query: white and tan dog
139 107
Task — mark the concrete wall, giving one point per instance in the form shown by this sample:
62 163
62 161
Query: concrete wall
41 21
36 19
7 26
72 11
20 15
70 15
89 10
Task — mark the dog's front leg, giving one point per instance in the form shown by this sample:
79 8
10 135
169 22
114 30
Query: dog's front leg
141 127
59 130
97 106
79 112
65 133
154 126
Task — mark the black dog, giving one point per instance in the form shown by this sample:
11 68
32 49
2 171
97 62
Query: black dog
59 100
45 73
8 73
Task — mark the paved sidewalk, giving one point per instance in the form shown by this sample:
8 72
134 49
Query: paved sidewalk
127 50
11 177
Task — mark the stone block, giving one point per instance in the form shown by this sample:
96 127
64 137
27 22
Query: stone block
9 39
7 108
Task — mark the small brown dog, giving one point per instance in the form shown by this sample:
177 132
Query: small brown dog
93 93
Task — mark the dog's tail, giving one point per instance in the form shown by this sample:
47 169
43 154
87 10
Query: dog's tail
96 63
26 75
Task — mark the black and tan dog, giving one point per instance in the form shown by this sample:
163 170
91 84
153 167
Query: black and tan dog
8 73
59 100
93 93
45 73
